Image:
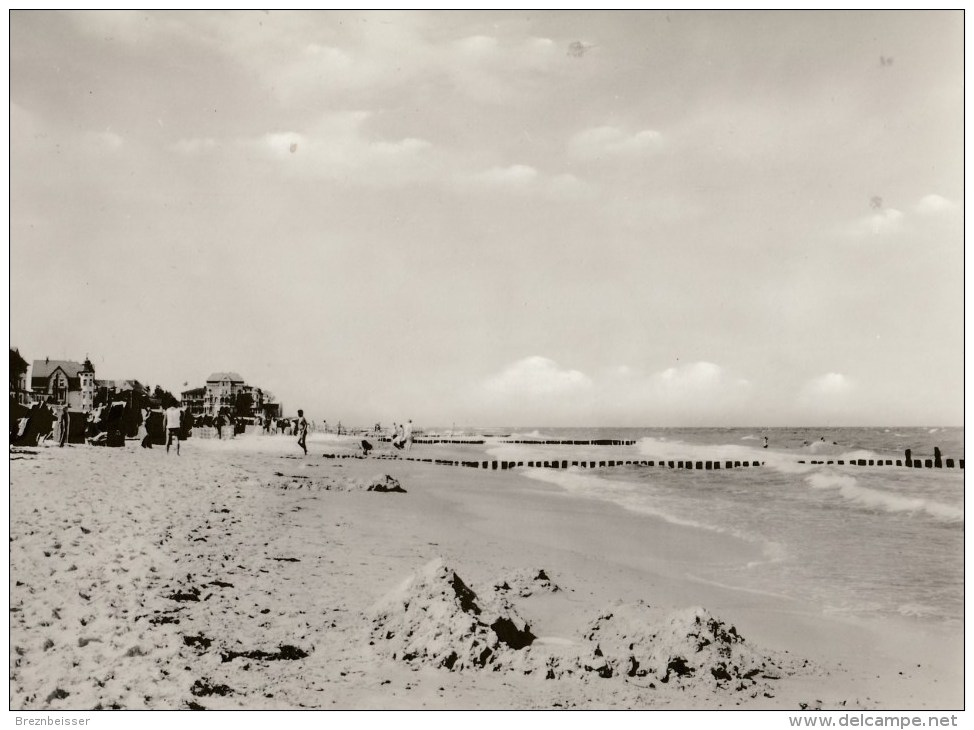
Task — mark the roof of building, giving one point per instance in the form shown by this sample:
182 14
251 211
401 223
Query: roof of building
44 368
219 377
194 391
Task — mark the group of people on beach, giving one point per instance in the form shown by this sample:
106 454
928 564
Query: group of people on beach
401 437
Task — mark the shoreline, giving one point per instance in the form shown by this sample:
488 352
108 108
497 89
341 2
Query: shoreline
349 549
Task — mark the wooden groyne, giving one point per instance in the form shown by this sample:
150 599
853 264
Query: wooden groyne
526 442
591 442
495 464
694 464
937 462
424 440
913 463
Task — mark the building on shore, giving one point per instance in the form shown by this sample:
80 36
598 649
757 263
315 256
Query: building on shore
193 400
227 393
19 392
64 382
70 383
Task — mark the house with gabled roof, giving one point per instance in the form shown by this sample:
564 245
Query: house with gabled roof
64 382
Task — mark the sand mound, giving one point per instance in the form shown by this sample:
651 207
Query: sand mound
434 618
526 583
384 483
687 647
331 483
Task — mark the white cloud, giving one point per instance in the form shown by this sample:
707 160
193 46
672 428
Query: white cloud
526 180
886 222
327 58
477 44
828 387
340 147
537 376
934 204
611 141
194 146
693 388
513 175
106 140
697 392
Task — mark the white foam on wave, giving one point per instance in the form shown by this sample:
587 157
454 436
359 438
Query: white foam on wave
849 488
574 481
673 450
586 485
535 434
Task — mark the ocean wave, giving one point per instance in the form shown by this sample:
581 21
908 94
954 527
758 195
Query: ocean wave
849 488
576 482
535 434
660 449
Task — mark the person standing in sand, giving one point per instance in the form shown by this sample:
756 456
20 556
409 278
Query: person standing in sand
301 425
146 442
62 426
173 415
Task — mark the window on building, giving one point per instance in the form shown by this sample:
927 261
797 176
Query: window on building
60 390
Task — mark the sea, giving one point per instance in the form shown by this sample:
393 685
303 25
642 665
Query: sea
865 541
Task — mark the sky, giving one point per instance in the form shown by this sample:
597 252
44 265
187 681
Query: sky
520 218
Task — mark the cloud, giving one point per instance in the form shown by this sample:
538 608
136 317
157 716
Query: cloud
536 388
106 141
339 146
343 54
609 141
513 175
525 180
692 377
934 204
825 389
886 222
194 146
691 389
537 376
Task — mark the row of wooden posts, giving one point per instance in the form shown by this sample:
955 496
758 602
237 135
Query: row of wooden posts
531 442
936 463
561 463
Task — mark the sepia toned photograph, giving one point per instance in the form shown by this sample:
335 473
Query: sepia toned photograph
487 360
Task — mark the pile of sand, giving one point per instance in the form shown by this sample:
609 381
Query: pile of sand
685 647
333 483
526 583
434 618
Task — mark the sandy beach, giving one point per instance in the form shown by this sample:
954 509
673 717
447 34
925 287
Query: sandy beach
241 575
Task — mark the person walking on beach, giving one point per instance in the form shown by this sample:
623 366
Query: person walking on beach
301 425
173 415
408 435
